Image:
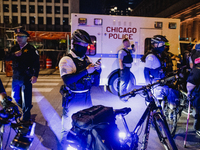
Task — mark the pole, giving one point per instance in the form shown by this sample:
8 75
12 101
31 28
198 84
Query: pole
186 132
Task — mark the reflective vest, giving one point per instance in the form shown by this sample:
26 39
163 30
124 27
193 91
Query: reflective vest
85 82
128 59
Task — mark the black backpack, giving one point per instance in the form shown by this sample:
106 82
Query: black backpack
96 128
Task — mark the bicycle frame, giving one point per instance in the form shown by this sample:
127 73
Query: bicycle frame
153 108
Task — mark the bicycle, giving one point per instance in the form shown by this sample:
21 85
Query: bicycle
81 138
153 115
174 111
10 115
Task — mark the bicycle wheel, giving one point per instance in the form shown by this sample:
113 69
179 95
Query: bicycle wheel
163 132
172 118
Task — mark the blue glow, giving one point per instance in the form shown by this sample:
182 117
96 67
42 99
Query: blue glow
122 135
48 113
71 148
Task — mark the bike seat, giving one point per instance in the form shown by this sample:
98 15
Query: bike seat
124 111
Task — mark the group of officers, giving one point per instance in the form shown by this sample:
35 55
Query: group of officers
79 73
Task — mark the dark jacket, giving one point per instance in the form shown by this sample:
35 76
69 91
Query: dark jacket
26 65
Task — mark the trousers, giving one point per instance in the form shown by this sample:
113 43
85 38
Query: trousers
124 80
22 94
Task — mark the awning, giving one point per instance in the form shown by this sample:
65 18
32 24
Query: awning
41 35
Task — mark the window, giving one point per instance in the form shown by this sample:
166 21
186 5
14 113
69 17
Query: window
65 21
23 20
5 8
48 1
40 9
147 45
158 25
23 0
14 0
14 8
65 10
91 49
23 8
172 25
49 9
32 9
57 1
15 19
65 1
40 0
57 9
32 20
40 20
49 21
31 0
57 21
6 19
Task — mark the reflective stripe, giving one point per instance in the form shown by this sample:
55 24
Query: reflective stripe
83 91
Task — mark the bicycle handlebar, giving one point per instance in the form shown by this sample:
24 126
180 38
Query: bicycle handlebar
161 81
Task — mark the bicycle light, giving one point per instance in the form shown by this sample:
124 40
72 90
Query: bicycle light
70 147
122 135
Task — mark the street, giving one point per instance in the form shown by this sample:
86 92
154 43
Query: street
47 111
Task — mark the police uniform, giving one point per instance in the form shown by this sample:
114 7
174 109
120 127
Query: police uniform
153 66
24 67
77 93
127 60
194 78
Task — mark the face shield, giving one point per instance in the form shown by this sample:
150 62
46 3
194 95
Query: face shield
159 47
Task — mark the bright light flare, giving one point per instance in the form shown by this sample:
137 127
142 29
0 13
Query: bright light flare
69 147
122 135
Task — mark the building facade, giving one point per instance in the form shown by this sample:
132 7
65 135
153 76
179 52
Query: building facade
188 11
38 15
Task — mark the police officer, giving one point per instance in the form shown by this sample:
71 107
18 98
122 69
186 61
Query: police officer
78 74
125 62
167 57
153 63
25 65
193 83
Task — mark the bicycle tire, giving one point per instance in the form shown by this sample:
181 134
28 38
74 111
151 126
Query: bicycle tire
163 132
172 121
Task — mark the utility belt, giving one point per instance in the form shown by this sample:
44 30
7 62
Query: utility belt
68 94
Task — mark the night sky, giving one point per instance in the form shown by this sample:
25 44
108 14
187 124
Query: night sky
100 6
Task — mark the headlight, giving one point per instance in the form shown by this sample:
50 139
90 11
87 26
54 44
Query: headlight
69 147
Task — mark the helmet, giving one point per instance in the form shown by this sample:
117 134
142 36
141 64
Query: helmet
158 38
197 46
81 36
